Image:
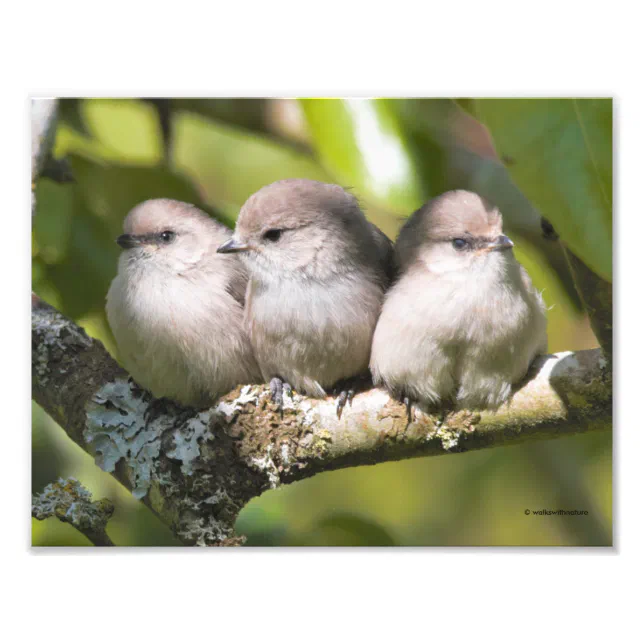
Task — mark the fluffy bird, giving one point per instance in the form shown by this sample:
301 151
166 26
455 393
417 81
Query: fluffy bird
318 274
463 322
176 307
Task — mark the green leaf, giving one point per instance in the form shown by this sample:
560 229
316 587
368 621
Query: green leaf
130 128
559 152
361 143
120 130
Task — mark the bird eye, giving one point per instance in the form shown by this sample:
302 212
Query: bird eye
459 244
272 235
167 236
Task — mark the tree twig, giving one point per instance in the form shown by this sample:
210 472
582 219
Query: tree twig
597 297
70 502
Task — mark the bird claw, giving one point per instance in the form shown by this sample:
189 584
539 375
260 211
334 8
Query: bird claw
346 396
346 389
407 402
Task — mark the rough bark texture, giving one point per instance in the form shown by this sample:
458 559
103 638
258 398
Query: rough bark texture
196 470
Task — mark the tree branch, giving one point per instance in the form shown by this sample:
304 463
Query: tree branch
197 469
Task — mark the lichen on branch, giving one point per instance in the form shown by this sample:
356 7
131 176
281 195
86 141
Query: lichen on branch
70 502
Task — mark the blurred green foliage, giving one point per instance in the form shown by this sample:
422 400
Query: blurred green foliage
395 154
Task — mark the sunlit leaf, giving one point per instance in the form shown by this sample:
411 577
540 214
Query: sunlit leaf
559 151
129 130
361 143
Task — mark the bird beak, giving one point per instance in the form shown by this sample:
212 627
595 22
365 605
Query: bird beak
233 246
128 241
500 243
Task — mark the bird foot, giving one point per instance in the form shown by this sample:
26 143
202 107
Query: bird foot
346 396
406 400
278 388
346 389
440 412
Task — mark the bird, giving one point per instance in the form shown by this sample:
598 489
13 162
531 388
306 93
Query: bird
463 322
318 272
176 307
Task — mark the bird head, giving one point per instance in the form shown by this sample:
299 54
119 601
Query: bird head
457 231
300 227
169 235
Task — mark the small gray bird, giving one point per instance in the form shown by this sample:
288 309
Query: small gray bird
463 322
176 306
318 274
